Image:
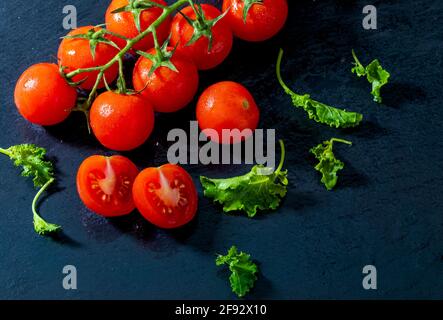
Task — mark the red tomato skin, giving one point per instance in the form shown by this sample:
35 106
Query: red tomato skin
125 172
42 96
167 90
75 54
182 31
121 122
146 203
123 24
262 22
227 105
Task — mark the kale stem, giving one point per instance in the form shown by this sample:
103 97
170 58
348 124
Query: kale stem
356 59
41 226
42 189
341 141
5 152
282 157
278 70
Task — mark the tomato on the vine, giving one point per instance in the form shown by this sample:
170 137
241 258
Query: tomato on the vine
104 184
166 196
43 96
227 105
123 23
121 122
75 53
168 90
264 18
206 54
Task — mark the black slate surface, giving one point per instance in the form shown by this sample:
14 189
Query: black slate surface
387 209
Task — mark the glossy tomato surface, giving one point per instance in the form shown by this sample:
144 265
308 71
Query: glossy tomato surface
227 105
42 96
75 53
168 90
121 122
104 184
123 23
263 21
166 196
204 58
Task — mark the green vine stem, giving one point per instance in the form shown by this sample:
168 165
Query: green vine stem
167 11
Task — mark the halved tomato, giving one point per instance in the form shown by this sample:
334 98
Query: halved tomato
166 196
105 184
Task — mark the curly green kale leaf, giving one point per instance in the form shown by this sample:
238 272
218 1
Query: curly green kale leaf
375 74
317 111
259 189
32 161
243 270
328 165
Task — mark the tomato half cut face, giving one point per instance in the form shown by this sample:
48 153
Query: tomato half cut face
105 185
166 196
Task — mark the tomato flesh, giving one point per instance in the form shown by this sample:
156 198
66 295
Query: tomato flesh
166 196
105 184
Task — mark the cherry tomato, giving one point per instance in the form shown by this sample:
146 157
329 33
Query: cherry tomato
42 96
121 122
123 23
165 196
182 31
227 105
168 90
76 54
264 19
104 184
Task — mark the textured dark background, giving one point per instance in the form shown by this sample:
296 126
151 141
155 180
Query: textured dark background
387 209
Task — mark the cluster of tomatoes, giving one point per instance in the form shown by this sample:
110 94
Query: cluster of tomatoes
165 79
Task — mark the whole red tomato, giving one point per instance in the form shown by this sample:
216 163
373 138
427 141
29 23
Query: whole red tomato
75 53
264 18
123 23
104 184
166 196
227 105
199 51
121 122
166 89
42 96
